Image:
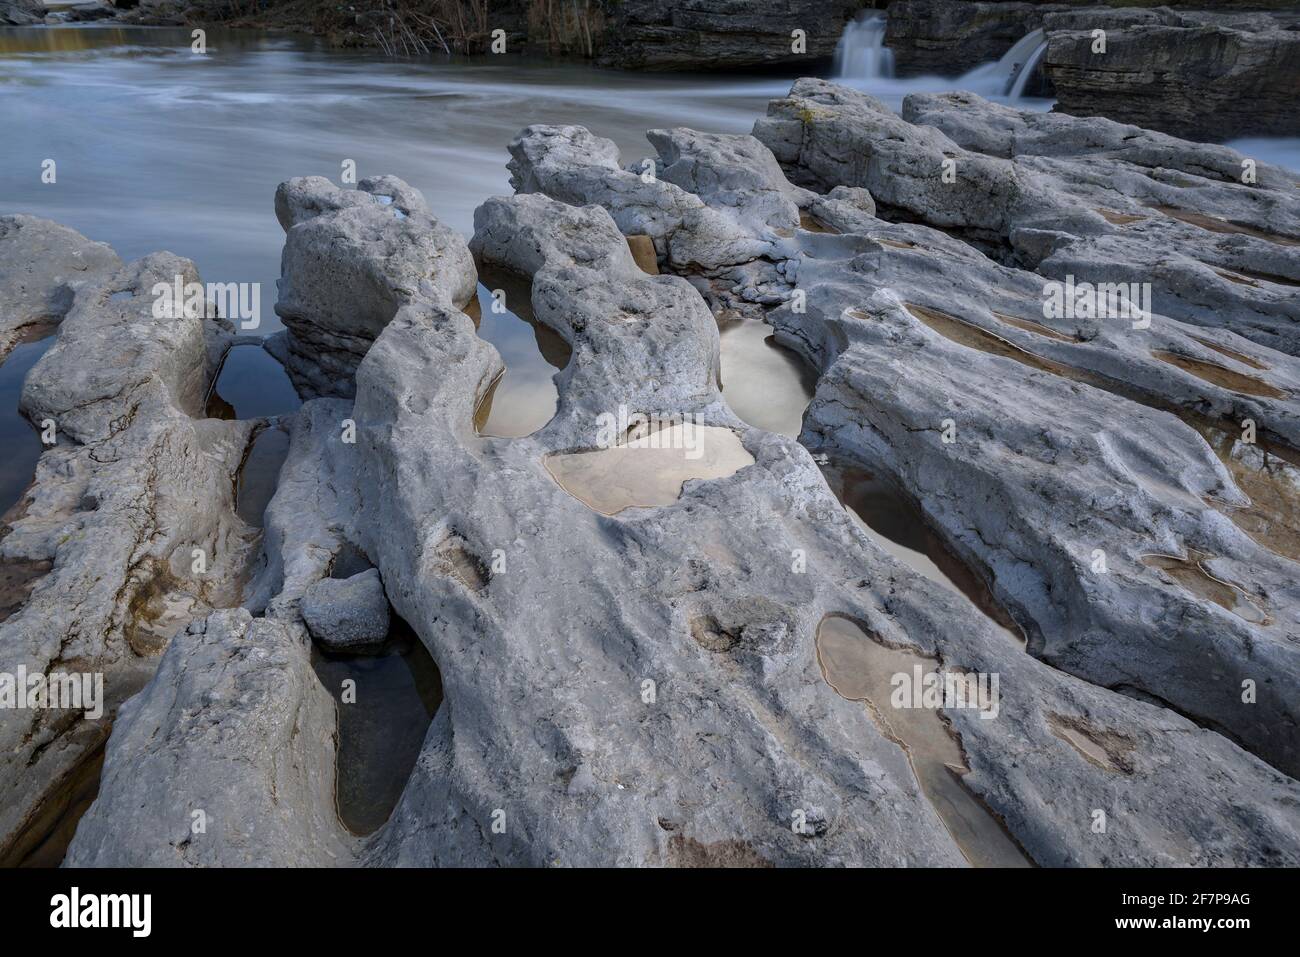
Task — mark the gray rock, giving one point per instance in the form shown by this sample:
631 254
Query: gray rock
351 259
951 37
1082 198
718 34
1196 74
22 13
226 758
132 511
41 265
347 614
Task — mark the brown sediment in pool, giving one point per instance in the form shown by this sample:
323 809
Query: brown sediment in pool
1269 480
1220 375
523 398
1119 219
1232 354
397 692
1214 224
858 667
643 252
1108 750
896 524
1191 574
811 224
1037 328
972 336
648 470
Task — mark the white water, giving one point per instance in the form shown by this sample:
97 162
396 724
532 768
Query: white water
861 53
1024 73
1007 76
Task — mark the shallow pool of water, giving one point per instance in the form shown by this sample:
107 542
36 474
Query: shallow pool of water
524 397
897 526
251 384
19 440
859 668
767 385
397 693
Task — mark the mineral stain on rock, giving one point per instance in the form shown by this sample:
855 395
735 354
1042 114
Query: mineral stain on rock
649 470
860 668
1192 575
381 724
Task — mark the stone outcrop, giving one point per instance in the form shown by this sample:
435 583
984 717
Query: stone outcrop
718 34
1214 76
951 37
630 639
226 758
1173 214
131 512
662 699
333 306
41 266
22 13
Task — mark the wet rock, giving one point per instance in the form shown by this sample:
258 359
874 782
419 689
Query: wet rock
41 265
951 37
347 614
225 758
351 259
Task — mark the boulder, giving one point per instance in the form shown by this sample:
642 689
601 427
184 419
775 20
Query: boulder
226 758
347 614
41 266
21 13
351 259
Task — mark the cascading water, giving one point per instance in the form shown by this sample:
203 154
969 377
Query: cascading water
861 53
1016 88
1008 76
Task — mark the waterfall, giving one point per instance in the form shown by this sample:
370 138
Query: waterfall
861 53
1018 64
1016 88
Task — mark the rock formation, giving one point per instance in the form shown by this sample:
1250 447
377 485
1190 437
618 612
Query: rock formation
1213 75
128 529
649 677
